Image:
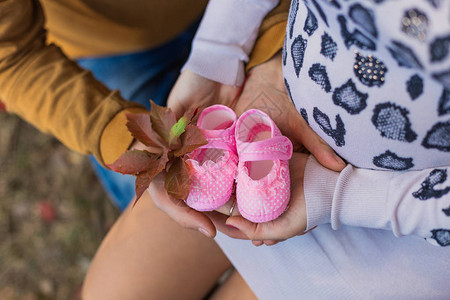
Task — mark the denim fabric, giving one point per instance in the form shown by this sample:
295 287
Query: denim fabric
139 77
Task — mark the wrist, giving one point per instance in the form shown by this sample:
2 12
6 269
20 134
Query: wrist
116 139
319 185
270 72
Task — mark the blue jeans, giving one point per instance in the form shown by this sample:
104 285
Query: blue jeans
139 77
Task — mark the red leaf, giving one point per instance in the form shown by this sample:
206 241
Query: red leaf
177 181
192 139
134 161
197 113
159 165
142 183
190 114
162 119
144 179
140 127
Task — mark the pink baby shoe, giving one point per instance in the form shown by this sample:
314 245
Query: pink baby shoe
212 167
263 181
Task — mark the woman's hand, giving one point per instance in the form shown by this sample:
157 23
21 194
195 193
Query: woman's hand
192 90
205 222
291 223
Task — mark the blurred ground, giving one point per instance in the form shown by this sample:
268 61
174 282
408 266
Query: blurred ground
53 215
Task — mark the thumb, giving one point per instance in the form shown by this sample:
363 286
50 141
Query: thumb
178 210
318 147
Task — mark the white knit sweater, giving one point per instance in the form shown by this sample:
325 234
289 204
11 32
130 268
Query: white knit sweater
372 78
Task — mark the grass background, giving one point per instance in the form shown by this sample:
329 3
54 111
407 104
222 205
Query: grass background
53 214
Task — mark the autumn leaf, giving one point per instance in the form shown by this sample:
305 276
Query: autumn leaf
167 141
143 179
134 161
158 166
162 119
140 126
177 181
192 139
142 183
180 127
191 114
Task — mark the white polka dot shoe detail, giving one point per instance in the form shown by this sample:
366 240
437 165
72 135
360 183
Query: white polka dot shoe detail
263 180
212 167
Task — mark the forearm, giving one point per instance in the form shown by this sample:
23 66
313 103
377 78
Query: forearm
378 199
41 85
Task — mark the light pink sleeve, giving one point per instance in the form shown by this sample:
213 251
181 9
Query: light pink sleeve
225 38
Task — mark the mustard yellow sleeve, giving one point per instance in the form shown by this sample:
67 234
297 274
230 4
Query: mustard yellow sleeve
271 35
116 139
41 85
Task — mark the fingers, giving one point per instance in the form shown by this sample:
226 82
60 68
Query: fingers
269 233
193 90
271 242
257 243
319 148
228 207
188 89
205 222
178 210
254 231
267 243
219 219
273 230
291 223
179 108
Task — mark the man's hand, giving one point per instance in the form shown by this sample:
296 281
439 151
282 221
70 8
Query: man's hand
265 90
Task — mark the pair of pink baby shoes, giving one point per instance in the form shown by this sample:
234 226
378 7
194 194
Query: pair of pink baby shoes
251 150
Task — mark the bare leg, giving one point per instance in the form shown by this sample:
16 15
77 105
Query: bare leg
146 255
234 288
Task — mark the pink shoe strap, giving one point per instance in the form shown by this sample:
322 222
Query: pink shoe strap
279 147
